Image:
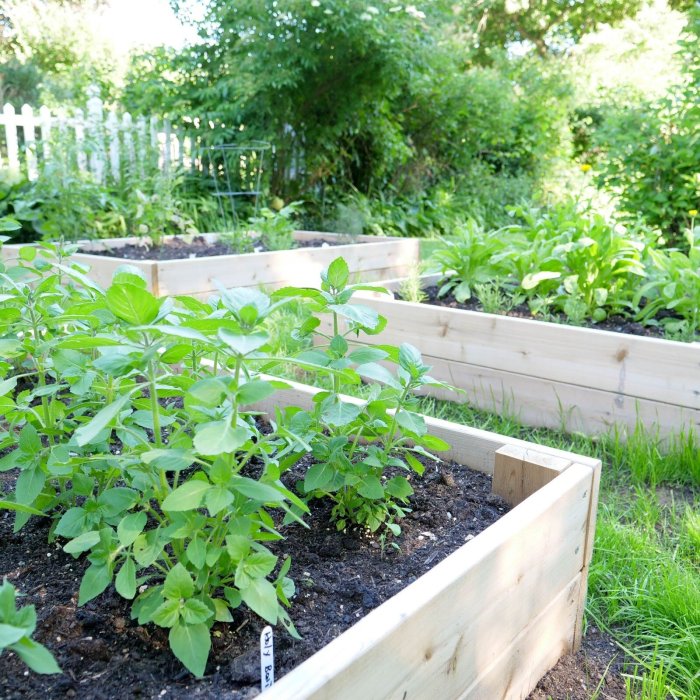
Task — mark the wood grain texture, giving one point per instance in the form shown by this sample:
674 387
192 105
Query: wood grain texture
550 374
464 629
518 473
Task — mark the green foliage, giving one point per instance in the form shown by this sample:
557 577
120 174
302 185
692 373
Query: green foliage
16 629
136 431
651 152
572 262
275 228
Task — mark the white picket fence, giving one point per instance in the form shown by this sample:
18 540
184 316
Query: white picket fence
103 141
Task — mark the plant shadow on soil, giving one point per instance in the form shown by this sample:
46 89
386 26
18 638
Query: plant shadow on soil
340 577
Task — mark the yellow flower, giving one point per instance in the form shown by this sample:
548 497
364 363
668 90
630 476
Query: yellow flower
586 167
693 213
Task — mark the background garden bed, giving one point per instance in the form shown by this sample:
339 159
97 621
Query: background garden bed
368 257
548 374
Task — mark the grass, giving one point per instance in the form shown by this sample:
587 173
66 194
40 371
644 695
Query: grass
644 585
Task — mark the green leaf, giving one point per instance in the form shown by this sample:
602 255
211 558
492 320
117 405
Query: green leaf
171 460
20 508
72 522
130 274
29 485
409 357
364 316
132 304
29 440
337 413
431 442
130 527
363 356
398 487
86 433
532 280
219 437
371 487
337 274
255 390
223 614
96 578
411 422
379 374
116 500
257 491
9 634
187 496
7 385
319 476
197 552
36 656
218 498
178 583
195 611
191 645
168 613
82 543
261 597
125 582
243 344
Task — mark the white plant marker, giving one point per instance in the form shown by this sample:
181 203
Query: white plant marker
267 659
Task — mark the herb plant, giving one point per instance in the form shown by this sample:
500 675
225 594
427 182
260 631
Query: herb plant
136 432
17 626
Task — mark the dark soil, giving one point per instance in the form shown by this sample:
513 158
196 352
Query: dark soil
617 324
339 578
199 247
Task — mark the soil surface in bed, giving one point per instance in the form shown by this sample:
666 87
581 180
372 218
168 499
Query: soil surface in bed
198 247
339 578
617 324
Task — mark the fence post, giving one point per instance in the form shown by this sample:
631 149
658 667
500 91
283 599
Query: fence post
29 142
95 123
10 120
45 117
79 126
128 141
113 139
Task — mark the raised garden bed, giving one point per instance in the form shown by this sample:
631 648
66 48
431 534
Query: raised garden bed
487 621
550 374
370 257
490 619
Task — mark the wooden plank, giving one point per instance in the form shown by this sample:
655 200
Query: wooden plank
445 634
533 652
624 365
588 553
545 403
300 266
469 446
518 472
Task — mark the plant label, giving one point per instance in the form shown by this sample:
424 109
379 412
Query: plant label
267 659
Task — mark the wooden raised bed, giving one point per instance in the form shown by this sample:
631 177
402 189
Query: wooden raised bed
549 374
369 258
497 614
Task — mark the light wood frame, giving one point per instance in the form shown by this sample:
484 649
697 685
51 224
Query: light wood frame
548 374
494 616
369 258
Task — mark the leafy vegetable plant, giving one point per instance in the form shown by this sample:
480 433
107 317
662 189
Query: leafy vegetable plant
17 626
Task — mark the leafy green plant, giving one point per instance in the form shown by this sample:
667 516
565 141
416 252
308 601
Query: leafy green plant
674 287
17 626
276 228
138 435
357 445
471 257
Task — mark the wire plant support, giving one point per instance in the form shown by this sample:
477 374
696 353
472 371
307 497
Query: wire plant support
237 170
